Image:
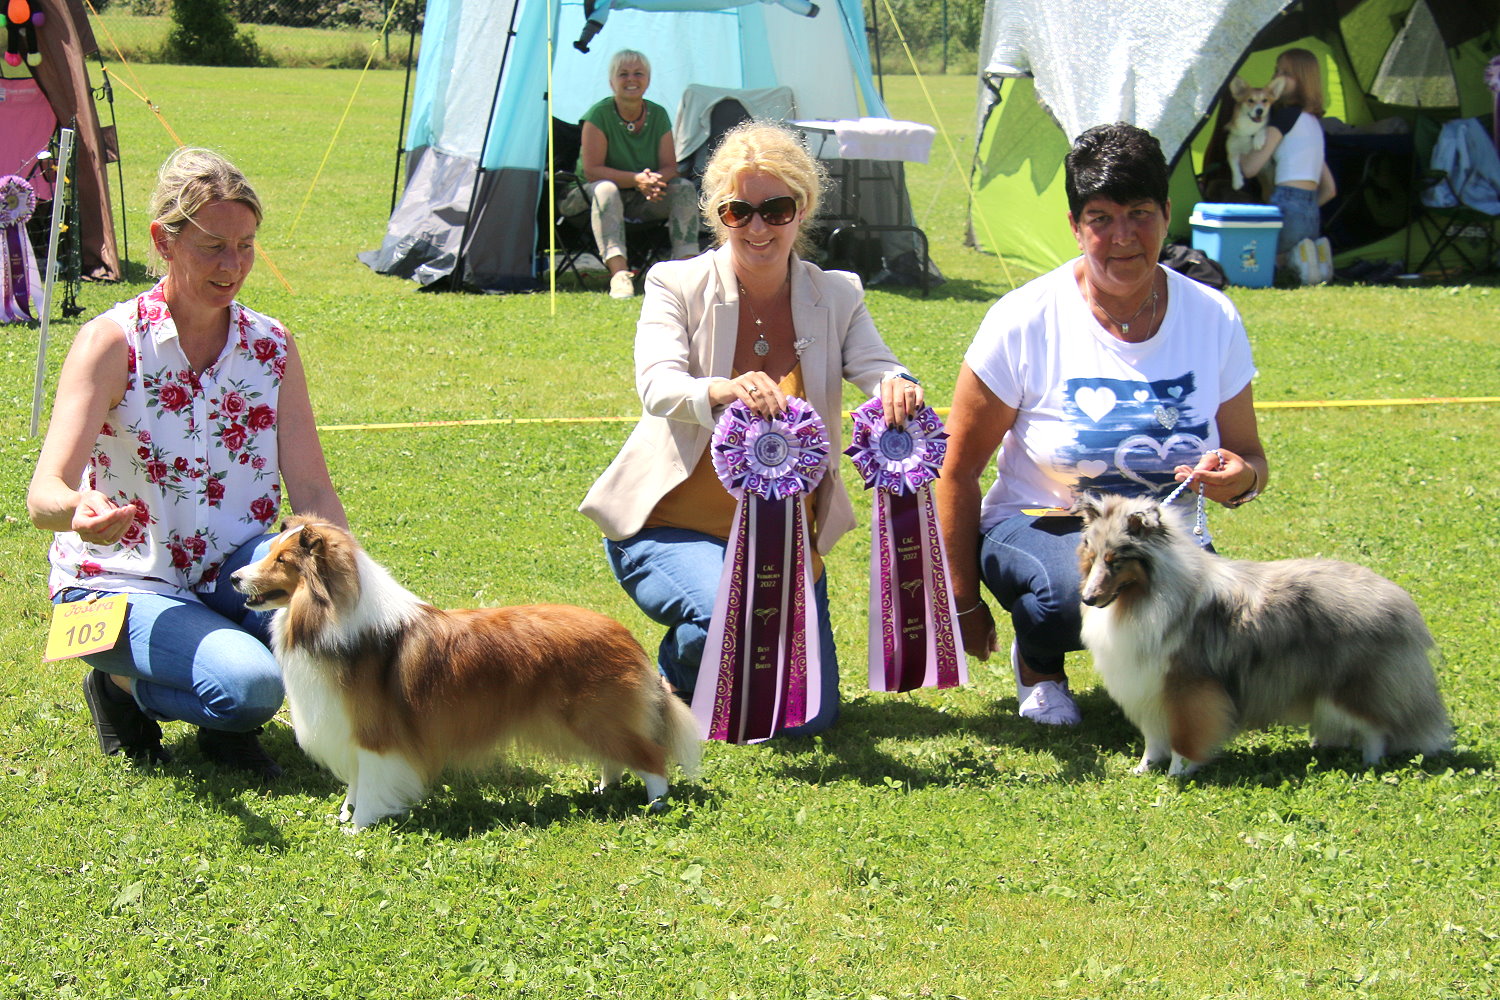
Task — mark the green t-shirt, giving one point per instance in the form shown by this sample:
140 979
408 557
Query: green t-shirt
625 150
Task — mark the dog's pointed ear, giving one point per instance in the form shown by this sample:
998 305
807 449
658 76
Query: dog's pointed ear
1143 522
310 538
1086 506
1238 88
1276 86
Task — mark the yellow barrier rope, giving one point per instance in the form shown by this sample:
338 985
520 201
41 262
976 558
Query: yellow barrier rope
942 411
99 23
1320 404
391 13
948 141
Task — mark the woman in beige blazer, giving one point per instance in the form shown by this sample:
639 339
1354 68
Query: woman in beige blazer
664 514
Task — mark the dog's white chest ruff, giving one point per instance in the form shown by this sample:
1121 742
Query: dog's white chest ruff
320 715
1132 665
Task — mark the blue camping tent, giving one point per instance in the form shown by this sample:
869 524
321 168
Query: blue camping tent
477 142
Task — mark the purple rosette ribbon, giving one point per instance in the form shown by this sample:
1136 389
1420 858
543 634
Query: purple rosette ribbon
760 672
914 641
18 271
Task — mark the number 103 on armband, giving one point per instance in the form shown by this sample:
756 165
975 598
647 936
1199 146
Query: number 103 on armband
83 627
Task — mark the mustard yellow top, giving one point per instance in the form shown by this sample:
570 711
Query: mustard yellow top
701 503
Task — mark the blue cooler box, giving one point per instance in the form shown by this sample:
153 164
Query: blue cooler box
1242 238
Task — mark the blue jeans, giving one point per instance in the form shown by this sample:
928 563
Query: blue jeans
205 661
1030 564
1300 219
673 576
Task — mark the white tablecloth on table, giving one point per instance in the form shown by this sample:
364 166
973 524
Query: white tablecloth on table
875 139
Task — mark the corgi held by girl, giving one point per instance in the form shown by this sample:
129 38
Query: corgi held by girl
386 690
1196 648
1247 127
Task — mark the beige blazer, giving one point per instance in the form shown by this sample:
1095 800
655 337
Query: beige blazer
685 340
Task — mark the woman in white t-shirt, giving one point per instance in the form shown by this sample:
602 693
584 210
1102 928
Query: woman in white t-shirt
1294 145
1109 374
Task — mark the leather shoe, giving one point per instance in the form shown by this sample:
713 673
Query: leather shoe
121 725
240 751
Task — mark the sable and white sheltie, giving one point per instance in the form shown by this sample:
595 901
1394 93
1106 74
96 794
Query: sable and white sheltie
386 690
1196 648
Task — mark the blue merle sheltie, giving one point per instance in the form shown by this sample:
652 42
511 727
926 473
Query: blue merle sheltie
1196 648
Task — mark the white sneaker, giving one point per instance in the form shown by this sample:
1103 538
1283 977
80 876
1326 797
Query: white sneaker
621 285
1048 703
1325 259
1305 260
1051 705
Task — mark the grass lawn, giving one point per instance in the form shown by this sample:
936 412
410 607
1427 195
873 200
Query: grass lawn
930 845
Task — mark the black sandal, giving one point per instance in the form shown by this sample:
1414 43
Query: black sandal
240 751
121 725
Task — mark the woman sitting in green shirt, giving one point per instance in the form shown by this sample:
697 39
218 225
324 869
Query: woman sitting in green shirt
628 169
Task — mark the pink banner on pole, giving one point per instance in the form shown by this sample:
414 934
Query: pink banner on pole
760 673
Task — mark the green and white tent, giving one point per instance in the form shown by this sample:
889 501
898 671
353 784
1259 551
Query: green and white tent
1050 70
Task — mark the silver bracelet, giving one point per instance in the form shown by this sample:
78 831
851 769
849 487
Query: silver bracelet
977 605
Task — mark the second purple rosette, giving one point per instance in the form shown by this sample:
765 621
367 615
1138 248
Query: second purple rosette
760 670
914 640
897 459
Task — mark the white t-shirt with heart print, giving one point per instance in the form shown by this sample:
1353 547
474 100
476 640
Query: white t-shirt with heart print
1093 412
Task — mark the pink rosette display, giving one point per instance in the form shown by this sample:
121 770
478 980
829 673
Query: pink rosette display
19 279
913 637
759 672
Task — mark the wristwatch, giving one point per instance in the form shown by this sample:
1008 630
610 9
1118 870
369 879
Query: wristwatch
1248 495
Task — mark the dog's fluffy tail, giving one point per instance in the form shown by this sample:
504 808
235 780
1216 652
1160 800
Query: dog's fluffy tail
679 731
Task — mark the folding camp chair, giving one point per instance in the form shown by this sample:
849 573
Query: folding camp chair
1444 208
725 115
646 240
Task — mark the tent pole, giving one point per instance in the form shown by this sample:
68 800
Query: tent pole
945 37
484 144
874 31
411 46
551 181
109 97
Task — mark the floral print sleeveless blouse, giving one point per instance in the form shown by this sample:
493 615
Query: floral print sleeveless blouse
193 452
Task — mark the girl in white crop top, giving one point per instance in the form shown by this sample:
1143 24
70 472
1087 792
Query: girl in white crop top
1294 143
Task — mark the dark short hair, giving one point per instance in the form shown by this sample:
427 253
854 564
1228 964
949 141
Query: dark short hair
1120 162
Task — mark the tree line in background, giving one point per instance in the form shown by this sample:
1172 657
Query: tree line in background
942 34
928 26
289 13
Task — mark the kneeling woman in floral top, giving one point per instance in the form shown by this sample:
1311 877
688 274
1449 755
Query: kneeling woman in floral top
178 415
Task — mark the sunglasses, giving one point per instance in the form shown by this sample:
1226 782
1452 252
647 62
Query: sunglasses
776 212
